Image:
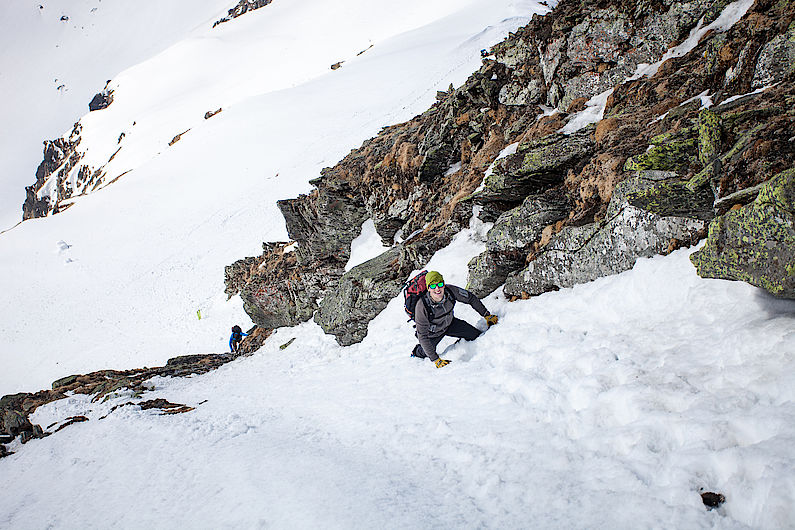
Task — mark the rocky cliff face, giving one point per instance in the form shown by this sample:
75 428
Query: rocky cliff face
242 7
666 154
61 176
15 409
57 177
63 173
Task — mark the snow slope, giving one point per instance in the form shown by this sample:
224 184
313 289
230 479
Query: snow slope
609 405
51 68
117 280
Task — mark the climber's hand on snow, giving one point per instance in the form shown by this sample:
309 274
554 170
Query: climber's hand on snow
491 319
441 362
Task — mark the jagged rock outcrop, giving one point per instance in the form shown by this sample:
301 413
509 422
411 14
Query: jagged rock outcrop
366 289
285 287
696 119
517 229
60 156
582 254
274 291
583 49
516 234
363 292
325 221
16 408
242 7
101 100
755 243
537 165
59 177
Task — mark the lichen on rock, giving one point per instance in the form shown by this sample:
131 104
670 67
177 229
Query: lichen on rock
582 254
536 166
776 60
755 243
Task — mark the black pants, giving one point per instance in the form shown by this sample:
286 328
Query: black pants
458 328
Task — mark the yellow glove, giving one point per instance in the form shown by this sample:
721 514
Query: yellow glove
491 319
441 362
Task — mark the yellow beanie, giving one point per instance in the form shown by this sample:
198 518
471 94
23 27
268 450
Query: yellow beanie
433 277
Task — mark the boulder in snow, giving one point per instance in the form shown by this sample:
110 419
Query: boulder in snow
100 101
755 243
645 217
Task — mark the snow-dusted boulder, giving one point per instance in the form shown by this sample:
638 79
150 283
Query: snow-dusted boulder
101 100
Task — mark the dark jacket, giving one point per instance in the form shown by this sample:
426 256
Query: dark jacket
432 319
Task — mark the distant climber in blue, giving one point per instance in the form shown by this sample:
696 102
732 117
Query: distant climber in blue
236 338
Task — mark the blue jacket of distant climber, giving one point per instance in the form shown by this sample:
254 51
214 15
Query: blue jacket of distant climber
235 338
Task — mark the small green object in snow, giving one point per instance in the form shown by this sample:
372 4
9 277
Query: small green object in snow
283 346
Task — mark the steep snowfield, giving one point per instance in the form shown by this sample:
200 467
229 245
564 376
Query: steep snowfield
609 405
51 68
117 280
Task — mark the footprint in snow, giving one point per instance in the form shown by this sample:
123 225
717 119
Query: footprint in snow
62 247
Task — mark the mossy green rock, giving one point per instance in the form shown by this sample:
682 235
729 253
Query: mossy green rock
669 156
537 165
68 380
755 244
674 198
709 136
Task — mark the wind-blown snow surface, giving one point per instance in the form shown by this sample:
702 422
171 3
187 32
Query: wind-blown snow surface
609 405
116 280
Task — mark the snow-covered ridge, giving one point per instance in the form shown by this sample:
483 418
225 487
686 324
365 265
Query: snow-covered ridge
147 117
154 245
611 404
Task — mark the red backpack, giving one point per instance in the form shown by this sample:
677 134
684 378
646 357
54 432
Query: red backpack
413 291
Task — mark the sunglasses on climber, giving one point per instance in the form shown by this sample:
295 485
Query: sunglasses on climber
435 285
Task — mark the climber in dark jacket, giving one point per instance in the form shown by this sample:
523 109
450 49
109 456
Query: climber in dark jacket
235 338
434 317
